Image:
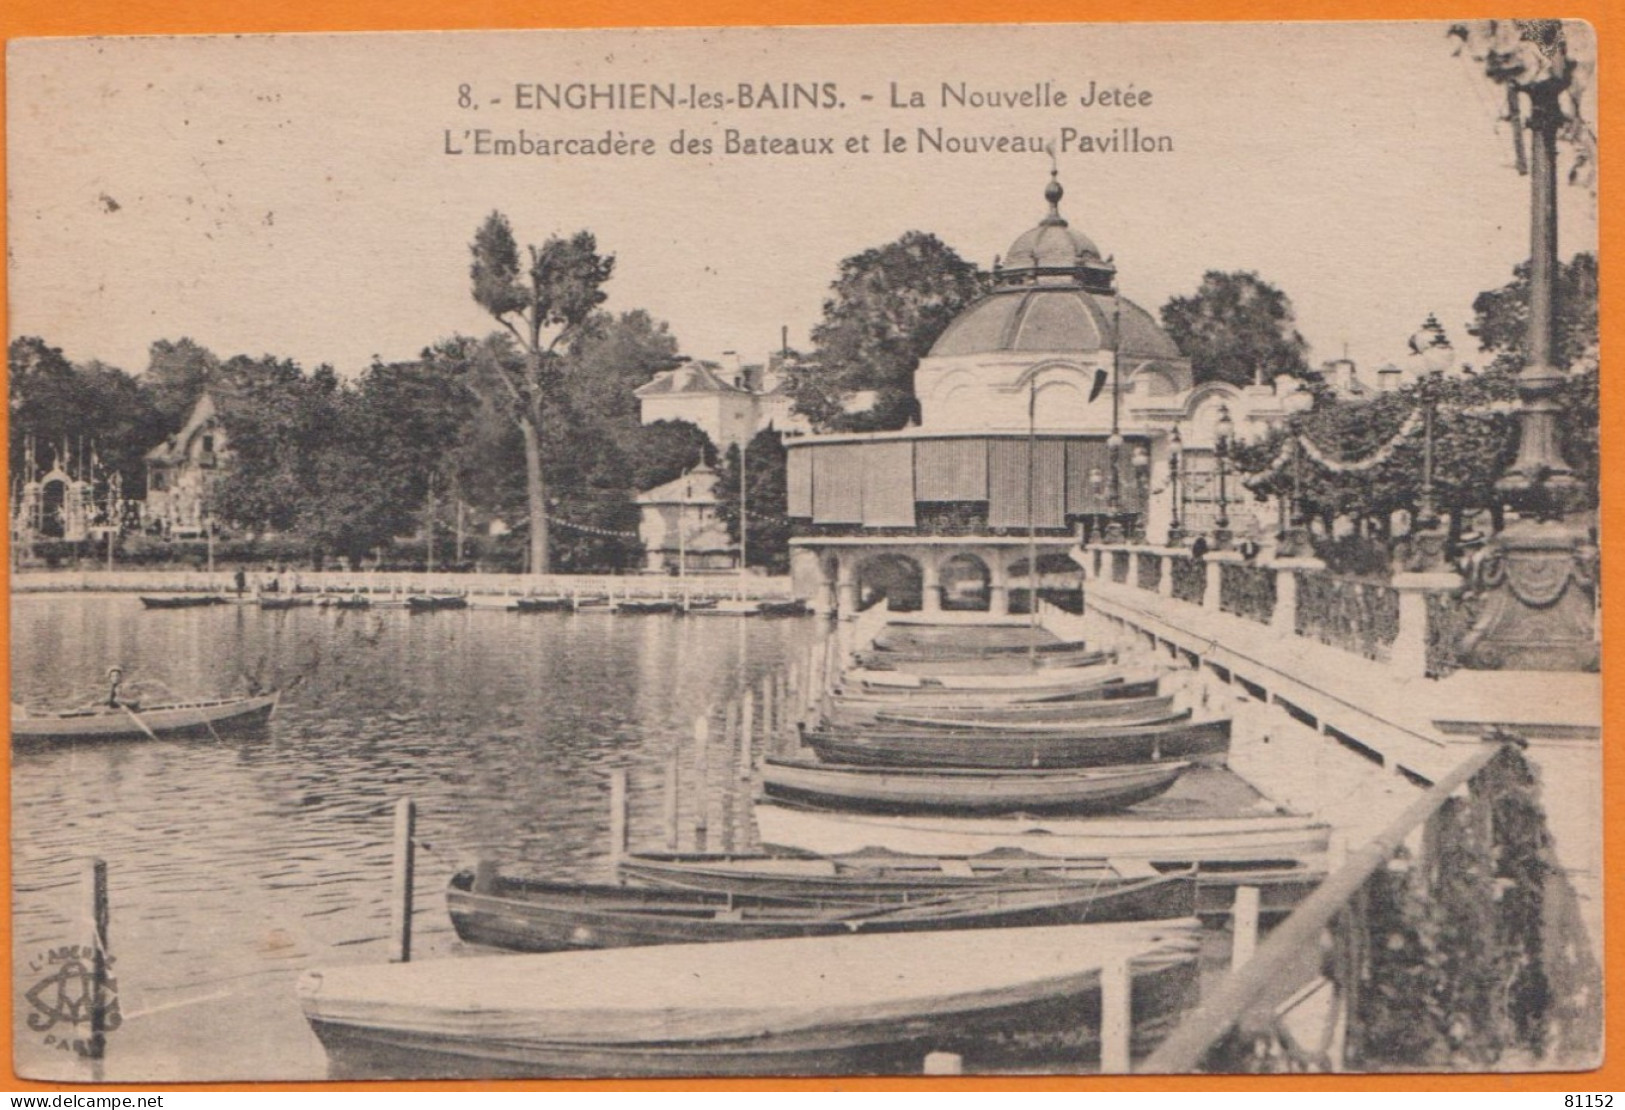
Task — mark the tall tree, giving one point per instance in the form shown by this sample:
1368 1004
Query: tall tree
278 421
887 307
177 373
767 502
1234 326
543 307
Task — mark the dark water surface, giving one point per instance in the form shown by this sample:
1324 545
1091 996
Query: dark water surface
235 864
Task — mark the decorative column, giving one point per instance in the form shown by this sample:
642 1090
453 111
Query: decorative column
846 591
930 583
1214 564
1285 618
1538 576
998 585
1409 656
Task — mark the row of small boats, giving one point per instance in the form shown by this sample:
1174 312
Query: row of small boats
428 603
1002 892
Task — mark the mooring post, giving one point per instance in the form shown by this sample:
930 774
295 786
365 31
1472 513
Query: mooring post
400 910
617 815
1244 926
485 876
1116 1017
673 768
94 880
770 709
702 795
747 725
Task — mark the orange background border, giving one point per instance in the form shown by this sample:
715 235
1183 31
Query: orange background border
26 18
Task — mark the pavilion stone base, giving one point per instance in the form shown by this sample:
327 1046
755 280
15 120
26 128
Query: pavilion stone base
836 574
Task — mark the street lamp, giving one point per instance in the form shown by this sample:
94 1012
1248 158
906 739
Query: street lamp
1223 431
1142 482
1114 483
1432 347
1176 461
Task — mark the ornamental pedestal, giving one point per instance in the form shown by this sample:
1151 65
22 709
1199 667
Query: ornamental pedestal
1538 580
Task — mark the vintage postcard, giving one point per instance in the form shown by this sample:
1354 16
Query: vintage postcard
1017 550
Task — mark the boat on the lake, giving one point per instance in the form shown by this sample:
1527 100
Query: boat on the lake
182 601
899 636
953 790
828 1005
1024 714
1046 682
1256 840
1140 684
793 608
966 648
876 873
532 915
1091 745
1058 664
345 601
434 603
138 722
639 606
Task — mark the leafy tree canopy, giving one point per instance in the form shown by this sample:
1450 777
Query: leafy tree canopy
887 307
1234 326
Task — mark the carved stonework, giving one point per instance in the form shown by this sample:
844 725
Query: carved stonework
1538 583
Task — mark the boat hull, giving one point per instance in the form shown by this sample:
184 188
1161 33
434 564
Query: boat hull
989 750
932 697
198 719
841 1005
1018 716
917 790
1172 842
531 916
183 602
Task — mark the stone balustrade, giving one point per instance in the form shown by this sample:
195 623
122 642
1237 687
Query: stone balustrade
1407 623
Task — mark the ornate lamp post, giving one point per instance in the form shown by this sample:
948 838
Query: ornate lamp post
1432 347
1176 462
1223 432
1538 575
1114 486
1142 482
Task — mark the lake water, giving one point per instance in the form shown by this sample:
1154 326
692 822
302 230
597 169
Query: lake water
234 864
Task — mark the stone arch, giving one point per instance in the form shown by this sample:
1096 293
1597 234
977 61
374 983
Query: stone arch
966 581
54 507
892 577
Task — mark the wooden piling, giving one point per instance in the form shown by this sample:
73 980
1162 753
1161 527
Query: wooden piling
944 1063
673 798
702 795
747 726
1244 926
617 815
1116 1017
94 886
770 709
485 876
400 908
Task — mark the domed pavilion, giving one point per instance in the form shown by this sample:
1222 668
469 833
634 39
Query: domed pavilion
1026 401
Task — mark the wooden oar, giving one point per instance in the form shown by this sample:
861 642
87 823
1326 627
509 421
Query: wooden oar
136 717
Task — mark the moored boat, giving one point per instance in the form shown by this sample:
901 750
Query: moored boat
1255 840
291 601
1059 664
639 606
434 603
791 608
1109 687
932 790
135 722
531 915
1022 715
827 1005
543 605
1023 747
182 601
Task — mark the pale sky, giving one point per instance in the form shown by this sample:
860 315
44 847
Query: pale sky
293 195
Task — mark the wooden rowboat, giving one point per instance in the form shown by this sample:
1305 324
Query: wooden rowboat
183 601
1065 680
1256 841
826 1005
529 915
1119 685
104 722
877 873
930 790
434 603
961 637
1057 665
637 606
902 651
1100 746
1021 716
793 608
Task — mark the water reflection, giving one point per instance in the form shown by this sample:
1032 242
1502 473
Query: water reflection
236 864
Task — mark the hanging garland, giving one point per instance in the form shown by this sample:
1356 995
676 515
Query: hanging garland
1357 466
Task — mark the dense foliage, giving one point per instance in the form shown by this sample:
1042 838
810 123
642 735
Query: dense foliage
1234 326
887 306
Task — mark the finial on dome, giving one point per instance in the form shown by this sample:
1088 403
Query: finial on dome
1053 193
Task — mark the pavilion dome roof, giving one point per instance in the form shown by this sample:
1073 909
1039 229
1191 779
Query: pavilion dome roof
1055 292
